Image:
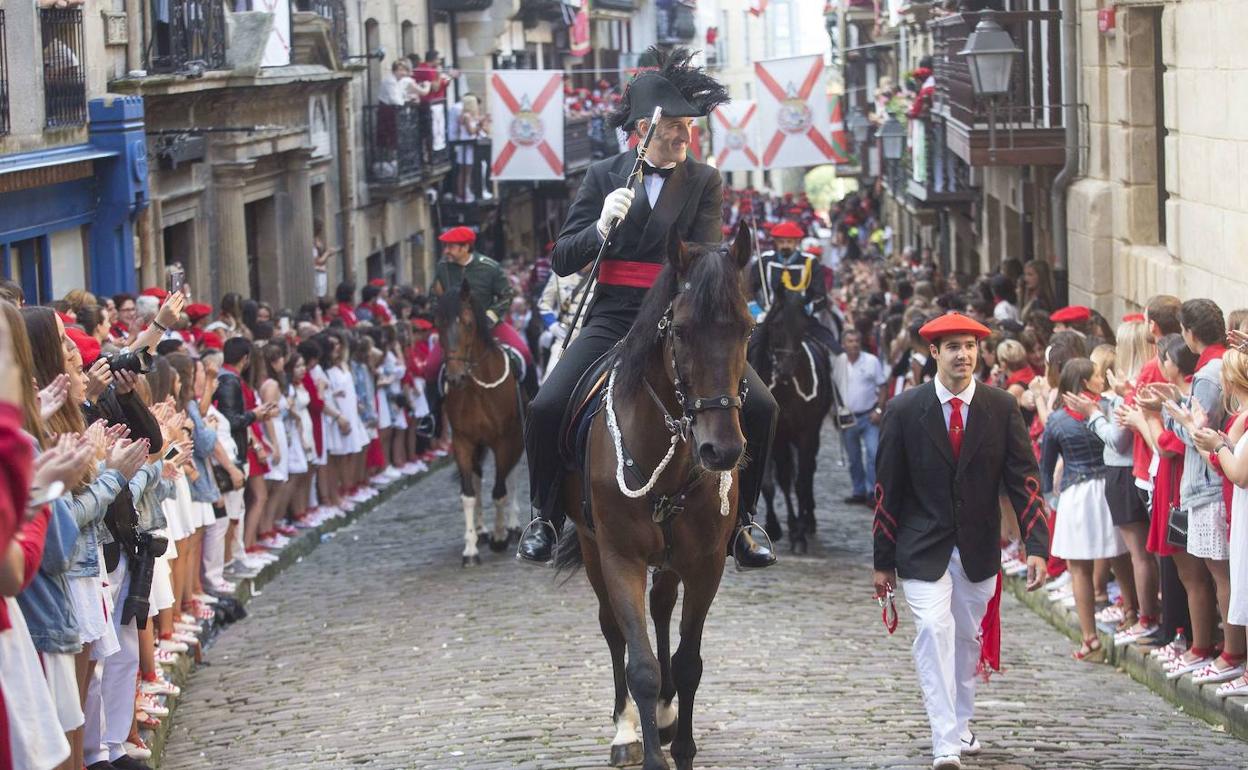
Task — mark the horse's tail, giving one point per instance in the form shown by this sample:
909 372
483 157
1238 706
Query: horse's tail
568 557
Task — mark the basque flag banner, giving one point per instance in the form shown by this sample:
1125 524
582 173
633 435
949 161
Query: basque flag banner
734 130
793 112
527 106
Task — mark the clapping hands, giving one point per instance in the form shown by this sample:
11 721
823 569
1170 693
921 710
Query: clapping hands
52 398
1082 404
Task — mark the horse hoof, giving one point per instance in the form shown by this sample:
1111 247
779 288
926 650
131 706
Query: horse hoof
483 538
498 546
467 562
667 734
626 754
476 561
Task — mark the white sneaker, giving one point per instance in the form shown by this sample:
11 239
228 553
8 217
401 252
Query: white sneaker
1179 667
172 645
411 469
1111 614
224 587
186 617
348 504
152 707
1211 674
136 752
160 687
206 598
1058 583
970 744
947 762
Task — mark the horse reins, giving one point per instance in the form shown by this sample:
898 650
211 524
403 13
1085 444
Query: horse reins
814 373
470 365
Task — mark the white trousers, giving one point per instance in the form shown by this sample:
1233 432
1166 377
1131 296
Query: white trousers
947 616
214 552
111 692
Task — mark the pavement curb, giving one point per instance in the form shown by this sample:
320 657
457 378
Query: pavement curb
303 544
1198 700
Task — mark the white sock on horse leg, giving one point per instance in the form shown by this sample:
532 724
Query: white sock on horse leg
627 725
665 713
470 505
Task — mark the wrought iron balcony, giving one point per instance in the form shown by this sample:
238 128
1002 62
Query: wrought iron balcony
400 143
1028 118
935 176
192 36
64 76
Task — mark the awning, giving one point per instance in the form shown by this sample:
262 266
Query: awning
30 161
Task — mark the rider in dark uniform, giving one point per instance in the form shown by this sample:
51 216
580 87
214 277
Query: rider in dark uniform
788 269
676 192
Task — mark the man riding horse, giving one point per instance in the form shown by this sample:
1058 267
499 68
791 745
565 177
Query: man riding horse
788 269
677 193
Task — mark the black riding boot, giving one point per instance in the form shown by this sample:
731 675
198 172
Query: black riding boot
539 540
758 417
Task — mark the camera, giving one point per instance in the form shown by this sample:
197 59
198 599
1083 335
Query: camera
142 567
130 361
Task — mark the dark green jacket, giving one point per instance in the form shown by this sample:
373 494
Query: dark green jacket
489 284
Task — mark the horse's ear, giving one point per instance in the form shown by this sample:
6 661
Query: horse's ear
742 245
465 292
677 254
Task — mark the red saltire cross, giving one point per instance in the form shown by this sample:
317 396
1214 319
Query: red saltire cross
803 93
543 147
728 126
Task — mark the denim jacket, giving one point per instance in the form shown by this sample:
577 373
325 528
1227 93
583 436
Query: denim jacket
366 392
45 603
149 488
1201 484
1081 451
204 488
1119 440
88 509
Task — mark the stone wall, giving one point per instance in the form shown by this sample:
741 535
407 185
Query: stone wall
1122 250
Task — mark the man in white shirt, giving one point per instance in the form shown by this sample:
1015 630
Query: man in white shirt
865 393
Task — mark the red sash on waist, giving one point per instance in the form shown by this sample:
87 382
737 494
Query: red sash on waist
637 275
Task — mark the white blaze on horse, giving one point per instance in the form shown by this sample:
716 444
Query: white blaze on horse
662 457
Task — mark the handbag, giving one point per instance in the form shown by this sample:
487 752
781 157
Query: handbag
222 477
1176 527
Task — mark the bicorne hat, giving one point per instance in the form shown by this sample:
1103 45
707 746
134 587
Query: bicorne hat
675 84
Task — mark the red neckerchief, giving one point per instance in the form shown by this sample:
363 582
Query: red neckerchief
1080 416
1216 350
347 314
1022 377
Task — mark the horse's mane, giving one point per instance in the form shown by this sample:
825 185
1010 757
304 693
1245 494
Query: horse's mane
446 313
715 290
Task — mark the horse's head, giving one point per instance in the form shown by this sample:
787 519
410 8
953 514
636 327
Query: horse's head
785 326
698 307
463 332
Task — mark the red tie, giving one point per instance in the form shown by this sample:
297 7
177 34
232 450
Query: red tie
955 426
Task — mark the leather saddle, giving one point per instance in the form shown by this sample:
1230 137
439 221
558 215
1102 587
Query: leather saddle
588 398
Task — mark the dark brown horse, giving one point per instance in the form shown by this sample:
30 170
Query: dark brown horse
800 377
670 426
483 407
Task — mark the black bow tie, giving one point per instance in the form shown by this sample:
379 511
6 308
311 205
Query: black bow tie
648 169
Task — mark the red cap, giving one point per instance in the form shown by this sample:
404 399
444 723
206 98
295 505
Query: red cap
88 346
1129 317
155 291
787 230
459 234
815 249
197 311
378 282
952 323
211 341
422 324
1072 314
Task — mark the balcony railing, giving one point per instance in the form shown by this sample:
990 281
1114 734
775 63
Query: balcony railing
401 142
578 148
334 11
64 76
1028 118
4 77
192 36
934 175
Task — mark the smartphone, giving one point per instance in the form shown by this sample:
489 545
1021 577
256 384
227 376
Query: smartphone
171 452
174 278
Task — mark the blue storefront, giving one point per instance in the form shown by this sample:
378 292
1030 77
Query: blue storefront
67 214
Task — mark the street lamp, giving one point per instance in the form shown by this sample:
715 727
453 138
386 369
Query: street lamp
891 135
859 126
990 53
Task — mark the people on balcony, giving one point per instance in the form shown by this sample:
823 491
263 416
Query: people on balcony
398 90
467 127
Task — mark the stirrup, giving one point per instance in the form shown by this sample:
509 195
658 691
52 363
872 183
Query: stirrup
752 525
524 532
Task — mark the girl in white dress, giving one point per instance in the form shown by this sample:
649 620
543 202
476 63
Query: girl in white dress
1230 453
273 390
300 444
344 436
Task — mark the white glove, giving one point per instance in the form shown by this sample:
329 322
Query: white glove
614 207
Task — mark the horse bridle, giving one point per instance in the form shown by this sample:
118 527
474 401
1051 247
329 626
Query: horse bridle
690 407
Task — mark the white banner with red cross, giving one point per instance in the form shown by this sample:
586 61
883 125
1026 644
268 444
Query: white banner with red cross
527 110
735 135
793 112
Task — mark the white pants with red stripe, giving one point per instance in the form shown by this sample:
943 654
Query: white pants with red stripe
947 617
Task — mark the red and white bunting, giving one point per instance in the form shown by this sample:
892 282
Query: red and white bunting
528 124
735 133
793 112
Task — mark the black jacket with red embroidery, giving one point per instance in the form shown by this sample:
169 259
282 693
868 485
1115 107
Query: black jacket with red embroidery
926 503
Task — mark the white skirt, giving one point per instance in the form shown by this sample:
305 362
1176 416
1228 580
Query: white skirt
1237 612
86 594
162 587
36 740
385 419
1085 529
203 514
62 676
1206 531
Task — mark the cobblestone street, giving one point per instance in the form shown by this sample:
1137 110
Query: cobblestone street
375 652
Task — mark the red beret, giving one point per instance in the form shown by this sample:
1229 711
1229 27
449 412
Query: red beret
815 249
422 324
211 341
1071 314
952 323
1129 317
155 291
378 282
198 311
787 230
88 346
459 234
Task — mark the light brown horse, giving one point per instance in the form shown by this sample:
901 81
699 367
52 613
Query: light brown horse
675 392
484 409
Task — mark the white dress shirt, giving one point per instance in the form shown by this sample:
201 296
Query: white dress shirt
654 183
946 408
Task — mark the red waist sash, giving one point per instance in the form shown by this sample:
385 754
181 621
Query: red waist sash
637 275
